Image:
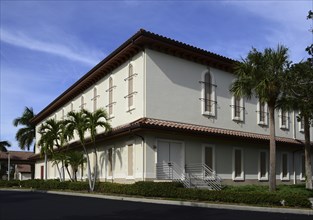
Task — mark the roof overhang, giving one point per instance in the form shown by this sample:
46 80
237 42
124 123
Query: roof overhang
138 42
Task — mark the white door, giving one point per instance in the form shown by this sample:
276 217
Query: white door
169 151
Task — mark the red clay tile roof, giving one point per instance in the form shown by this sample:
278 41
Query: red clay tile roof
163 124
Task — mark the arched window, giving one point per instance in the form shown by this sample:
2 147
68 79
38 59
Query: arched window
208 94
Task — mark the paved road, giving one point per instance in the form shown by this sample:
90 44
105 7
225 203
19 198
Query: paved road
41 206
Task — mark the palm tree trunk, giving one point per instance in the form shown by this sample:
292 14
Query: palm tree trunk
95 169
272 176
59 171
307 153
63 171
68 172
88 168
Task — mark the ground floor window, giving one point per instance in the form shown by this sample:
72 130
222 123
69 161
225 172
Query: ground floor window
238 169
302 174
263 166
208 156
284 167
130 166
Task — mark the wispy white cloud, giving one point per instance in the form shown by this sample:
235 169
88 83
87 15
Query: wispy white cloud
80 53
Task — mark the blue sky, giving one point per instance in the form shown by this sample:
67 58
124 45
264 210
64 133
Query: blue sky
47 45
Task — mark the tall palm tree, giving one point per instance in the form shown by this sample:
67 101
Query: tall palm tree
76 123
26 134
95 120
4 145
298 96
260 74
53 134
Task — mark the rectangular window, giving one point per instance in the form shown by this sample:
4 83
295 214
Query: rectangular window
110 96
208 156
301 125
302 175
238 173
94 99
284 167
82 102
110 162
263 166
262 113
237 109
130 166
284 119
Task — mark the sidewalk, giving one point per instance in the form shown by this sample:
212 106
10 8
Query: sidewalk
175 202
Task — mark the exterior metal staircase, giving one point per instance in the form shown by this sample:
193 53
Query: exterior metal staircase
197 176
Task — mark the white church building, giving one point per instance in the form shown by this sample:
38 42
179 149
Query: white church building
173 117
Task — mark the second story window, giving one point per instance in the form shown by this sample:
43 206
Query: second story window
262 113
131 92
94 99
301 124
208 94
82 102
110 90
237 109
284 119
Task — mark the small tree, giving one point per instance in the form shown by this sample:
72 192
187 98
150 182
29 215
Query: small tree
75 159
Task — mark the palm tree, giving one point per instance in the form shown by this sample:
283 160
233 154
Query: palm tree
298 96
75 159
26 134
96 119
53 133
77 124
261 74
4 145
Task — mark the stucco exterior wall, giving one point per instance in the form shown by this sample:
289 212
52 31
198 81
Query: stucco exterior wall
173 92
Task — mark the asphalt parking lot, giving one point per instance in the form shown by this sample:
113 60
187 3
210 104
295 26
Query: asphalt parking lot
43 206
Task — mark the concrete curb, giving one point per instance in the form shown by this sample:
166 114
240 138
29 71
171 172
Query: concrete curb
175 202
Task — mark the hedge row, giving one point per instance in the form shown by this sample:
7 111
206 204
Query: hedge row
168 190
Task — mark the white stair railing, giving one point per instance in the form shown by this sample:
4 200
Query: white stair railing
171 171
206 174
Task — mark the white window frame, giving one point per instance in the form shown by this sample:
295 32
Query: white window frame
211 113
242 176
265 122
263 178
242 110
213 154
94 98
287 178
82 102
286 115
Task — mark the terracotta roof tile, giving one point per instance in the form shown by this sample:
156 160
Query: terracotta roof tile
210 130
16 155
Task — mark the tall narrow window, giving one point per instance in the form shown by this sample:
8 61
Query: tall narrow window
130 86
110 96
238 173
263 166
208 156
237 109
94 99
208 94
284 119
301 124
284 167
131 92
72 106
262 114
82 102
63 114
110 162
302 175
130 166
